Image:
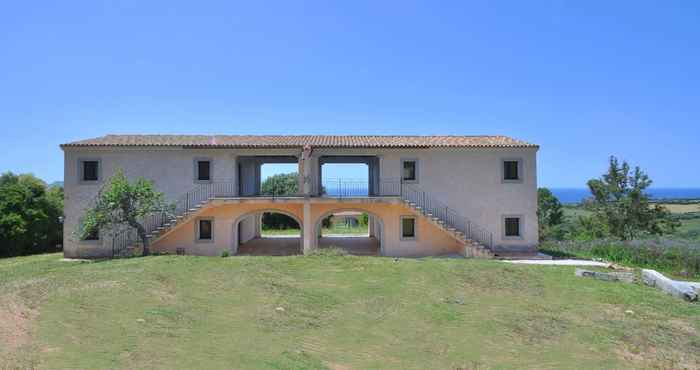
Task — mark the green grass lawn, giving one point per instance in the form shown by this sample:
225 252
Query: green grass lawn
332 312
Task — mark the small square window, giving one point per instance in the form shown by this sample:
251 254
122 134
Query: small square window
203 170
205 230
408 227
409 172
512 225
511 170
91 170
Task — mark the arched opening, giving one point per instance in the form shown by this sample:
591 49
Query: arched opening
269 232
356 231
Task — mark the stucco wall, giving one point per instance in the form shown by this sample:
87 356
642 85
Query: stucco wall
248 228
225 233
171 169
469 180
429 240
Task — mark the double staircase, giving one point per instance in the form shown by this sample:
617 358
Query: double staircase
477 241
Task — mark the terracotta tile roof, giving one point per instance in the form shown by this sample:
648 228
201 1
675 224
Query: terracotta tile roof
294 141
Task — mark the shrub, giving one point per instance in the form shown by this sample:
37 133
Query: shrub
224 254
680 257
30 215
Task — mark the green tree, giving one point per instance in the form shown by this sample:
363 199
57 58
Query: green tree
29 215
281 184
621 203
549 212
121 204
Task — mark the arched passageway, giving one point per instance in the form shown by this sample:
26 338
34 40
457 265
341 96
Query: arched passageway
269 232
356 231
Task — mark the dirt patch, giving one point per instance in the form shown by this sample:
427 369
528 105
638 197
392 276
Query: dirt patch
336 366
15 320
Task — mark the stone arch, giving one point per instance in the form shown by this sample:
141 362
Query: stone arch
319 220
234 227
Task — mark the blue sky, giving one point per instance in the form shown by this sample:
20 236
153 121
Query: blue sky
582 79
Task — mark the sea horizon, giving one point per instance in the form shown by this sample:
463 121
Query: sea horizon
577 195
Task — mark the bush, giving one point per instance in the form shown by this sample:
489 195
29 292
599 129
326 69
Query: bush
224 254
677 256
30 213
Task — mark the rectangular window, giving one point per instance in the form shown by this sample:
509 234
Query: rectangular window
205 230
511 170
409 172
512 227
203 170
91 170
408 227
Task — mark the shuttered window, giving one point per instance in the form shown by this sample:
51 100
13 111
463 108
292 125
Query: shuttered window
408 227
203 170
205 230
91 170
512 226
511 170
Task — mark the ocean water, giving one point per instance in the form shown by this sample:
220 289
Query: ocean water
572 195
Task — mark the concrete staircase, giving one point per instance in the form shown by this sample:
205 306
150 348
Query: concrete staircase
159 224
478 242
472 248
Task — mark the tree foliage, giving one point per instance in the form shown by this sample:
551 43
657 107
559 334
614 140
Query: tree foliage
621 203
121 204
281 184
279 221
549 211
30 215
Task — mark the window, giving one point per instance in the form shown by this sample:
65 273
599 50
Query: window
203 170
408 228
511 170
205 230
409 171
512 227
89 170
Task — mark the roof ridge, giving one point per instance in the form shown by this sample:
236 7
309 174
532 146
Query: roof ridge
293 141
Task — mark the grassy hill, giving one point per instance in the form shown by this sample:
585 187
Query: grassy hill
332 312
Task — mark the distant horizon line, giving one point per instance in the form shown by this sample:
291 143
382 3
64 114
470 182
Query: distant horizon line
651 187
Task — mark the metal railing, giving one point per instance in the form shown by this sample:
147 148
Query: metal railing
348 188
345 188
451 218
125 238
